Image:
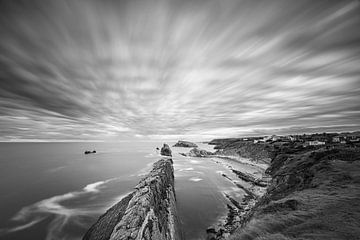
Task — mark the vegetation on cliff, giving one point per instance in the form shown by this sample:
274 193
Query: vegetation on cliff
237 147
314 194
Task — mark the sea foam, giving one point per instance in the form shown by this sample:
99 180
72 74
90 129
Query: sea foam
30 215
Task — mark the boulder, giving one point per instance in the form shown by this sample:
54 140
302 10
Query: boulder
165 150
185 144
196 152
89 152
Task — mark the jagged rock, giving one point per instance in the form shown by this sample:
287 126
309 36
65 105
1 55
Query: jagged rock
248 178
89 152
236 147
148 213
196 152
165 150
185 144
210 233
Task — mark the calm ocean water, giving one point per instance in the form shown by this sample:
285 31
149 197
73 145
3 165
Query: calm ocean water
54 191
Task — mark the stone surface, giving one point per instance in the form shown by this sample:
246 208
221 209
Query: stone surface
165 150
104 226
147 213
236 147
196 152
185 144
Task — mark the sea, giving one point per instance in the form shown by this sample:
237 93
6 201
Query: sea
53 191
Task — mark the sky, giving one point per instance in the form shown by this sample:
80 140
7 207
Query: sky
177 69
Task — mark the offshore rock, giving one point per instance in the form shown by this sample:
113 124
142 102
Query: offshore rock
185 144
196 152
148 213
165 150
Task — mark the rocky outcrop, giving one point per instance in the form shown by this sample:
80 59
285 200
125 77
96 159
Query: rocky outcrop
148 213
196 152
185 144
311 196
89 152
249 178
165 150
240 148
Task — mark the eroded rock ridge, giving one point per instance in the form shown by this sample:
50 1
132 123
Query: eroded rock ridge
148 213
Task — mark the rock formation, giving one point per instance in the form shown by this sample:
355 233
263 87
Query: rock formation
312 196
89 152
196 152
165 150
185 144
148 213
237 147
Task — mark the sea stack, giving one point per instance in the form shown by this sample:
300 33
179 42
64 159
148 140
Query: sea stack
149 212
185 144
165 150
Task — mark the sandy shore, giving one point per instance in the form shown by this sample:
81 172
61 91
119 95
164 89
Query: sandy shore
250 177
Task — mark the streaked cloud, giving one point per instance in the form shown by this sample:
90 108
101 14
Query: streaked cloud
114 70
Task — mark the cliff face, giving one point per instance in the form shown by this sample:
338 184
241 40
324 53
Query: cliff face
149 212
185 144
236 147
314 194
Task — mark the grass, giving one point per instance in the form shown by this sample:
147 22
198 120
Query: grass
314 195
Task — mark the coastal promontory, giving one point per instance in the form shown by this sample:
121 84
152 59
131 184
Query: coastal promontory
149 212
313 193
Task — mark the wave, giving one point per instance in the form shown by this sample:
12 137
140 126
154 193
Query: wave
186 169
30 215
53 170
195 179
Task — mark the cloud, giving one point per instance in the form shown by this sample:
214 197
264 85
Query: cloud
105 70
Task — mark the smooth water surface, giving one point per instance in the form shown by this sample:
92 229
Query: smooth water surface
54 191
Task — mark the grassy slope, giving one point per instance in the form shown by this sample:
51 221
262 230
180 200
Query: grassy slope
313 195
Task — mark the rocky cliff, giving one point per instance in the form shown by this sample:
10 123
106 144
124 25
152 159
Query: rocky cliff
237 147
185 144
196 152
165 150
148 213
314 194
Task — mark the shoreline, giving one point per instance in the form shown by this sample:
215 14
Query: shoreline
245 174
238 208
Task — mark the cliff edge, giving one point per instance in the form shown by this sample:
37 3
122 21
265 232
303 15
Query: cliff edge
244 149
149 212
314 194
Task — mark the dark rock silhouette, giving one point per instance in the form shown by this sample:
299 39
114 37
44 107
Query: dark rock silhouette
89 152
149 212
165 150
185 144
